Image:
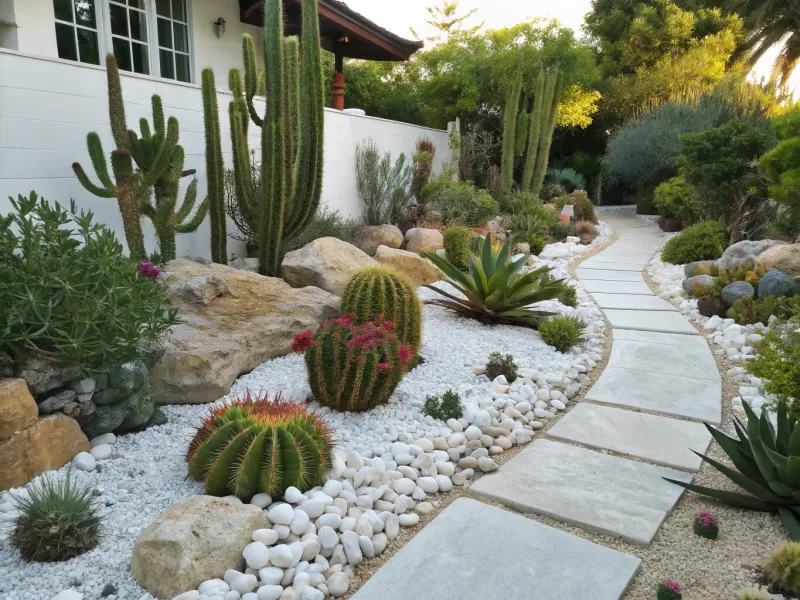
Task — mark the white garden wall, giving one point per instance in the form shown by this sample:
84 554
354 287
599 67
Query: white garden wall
47 106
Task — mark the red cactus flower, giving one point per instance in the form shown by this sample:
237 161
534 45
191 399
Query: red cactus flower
302 342
389 325
149 270
384 366
404 354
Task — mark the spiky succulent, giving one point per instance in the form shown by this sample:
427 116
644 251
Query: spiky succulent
252 446
783 567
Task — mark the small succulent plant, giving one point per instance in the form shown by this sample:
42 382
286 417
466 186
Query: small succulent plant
706 525
252 446
501 365
669 590
783 567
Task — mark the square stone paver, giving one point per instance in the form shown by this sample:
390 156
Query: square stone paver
596 491
678 361
689 397
659 440
643 320
616 287
631 301
476 551
608 275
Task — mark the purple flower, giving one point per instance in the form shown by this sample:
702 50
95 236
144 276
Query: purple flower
672 586
706 519
149 270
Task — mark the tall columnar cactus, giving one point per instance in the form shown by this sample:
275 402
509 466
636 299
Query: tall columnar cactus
253 446
291 132
510 131
353 367
215 170
534 131
375 292
552 93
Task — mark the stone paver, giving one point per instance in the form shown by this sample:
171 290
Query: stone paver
596 491
607 275
688 397
632 302
617 287
643 320
674 339
473 550
612 266
660 440
679 361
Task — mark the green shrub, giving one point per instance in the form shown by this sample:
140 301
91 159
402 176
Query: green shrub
501 365
56 522
460 201
568 178
781 165
545 213
562 332
385 189
674 199
327 223
582 206
747 311
778 363
560 231
569 297
67 288
448 406
423 165
783 567
525 228
456 245
537 244
519 203
701 241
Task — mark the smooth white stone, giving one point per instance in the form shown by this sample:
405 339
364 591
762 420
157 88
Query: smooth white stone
256 555
282 514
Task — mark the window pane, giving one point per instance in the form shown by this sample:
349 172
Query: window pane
88 47
179 10
181 38
122 50
165 33
119 19
182 68
136 3
63 10
162 8
140 60
65 40
84 13
167 69
138 25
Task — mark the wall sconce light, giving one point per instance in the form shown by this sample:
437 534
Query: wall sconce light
219 25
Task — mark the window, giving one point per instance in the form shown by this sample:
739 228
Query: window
76 30
173 39
129 34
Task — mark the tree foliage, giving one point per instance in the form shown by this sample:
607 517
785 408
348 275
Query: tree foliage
781 165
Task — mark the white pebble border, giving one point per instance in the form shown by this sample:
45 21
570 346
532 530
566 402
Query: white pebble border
388 464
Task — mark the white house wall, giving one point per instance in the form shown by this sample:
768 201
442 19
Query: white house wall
47 106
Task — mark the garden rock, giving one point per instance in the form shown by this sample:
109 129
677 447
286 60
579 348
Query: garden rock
193 541
130 412
57 401
370 237
776 283
744 252
784 257
709 307
47 444
418 271
253 320
736 290
704 281
425 240
245 264
326 263
43 374
690 269
17 407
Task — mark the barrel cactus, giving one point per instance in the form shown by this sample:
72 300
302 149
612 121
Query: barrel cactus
353 367
375 291
253 446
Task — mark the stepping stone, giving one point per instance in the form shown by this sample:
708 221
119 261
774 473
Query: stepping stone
473 550
632 302
599 492
652 337
679 361
608 275
643 320
656 439
612 265
617 287
622 255
689 397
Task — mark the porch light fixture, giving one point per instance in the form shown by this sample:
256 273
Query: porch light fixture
219 25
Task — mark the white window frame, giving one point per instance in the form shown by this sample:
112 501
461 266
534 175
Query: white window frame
99 17
189 40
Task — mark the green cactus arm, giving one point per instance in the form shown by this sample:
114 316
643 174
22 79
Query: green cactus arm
242 172
214 169
102 192
158 114
144 127
291 82
116 107
250 77
163 158
510 129
183 226
534 129
98 158
546 139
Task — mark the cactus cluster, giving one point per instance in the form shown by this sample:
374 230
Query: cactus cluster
353 367
706 525
375 292
215 169
783 567
253 446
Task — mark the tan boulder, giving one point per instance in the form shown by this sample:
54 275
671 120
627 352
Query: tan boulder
50 443
192 541
327 263
785 257
369 237
417 270
18 409
425 240
233 320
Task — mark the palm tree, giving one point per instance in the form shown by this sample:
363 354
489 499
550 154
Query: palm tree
769 23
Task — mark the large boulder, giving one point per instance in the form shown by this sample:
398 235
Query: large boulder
737 290
416 269
425 240
326 263
785 257
49 443
192 541
370 237
691 269
745 252
233 321
17 407
776 283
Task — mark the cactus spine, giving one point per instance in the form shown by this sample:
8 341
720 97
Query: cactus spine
375 292
258 446
548 125
510 131
215 170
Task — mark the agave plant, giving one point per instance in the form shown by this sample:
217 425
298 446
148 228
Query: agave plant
766 464
494 289
569 178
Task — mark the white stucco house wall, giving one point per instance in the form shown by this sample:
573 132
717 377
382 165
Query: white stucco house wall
53 92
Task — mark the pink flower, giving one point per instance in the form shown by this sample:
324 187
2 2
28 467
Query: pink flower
302 342
149 270
389 325
384 366
404 354
706 519
672 586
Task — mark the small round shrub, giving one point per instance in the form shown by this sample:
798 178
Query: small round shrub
783 567
456 245
747 311
568 296
57 521
701 241
501 365
448 406
562 332
669 590
560 231
674 199
537 244
583 207
544 212
586 231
